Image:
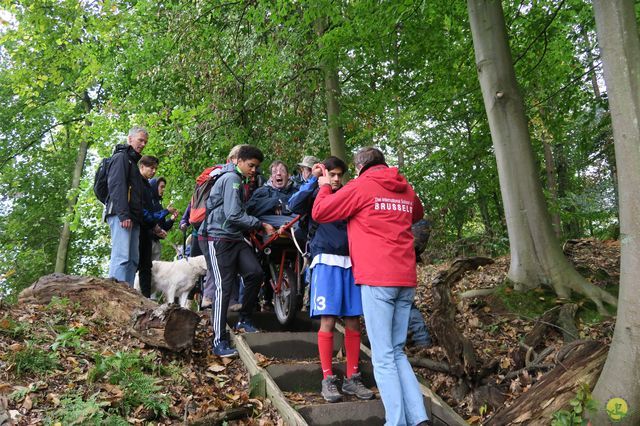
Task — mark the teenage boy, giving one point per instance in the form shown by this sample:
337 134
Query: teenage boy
148 165
227 221
333 291
380 207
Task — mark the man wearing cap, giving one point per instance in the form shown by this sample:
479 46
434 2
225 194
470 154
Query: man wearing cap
304 171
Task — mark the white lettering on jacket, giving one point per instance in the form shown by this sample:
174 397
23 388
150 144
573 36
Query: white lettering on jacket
393 204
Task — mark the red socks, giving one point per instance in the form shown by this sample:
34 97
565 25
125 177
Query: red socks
325 347
352 347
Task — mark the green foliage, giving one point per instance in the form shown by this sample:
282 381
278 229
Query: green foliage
203 78
580 405
74 410
32 359
70 338
127 370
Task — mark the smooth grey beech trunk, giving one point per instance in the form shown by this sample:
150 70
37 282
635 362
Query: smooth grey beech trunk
620 50
65 233
536 256
332 96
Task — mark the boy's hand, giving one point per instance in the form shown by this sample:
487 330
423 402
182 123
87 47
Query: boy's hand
270 230
324 180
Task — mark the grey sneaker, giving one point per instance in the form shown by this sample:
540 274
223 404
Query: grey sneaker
354 386
330 389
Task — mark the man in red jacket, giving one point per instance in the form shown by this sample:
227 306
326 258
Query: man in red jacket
380 207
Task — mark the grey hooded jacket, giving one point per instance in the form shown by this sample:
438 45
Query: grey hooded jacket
226 214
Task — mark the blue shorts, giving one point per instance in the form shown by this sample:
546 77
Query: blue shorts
334 292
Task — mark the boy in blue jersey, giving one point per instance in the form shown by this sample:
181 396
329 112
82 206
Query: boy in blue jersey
333 291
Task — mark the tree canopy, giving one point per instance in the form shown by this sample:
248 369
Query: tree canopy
204 76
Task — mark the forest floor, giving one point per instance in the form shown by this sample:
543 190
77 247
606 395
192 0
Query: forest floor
61 364
496 324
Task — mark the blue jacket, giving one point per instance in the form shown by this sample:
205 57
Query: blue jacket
329 238
152 211
156 200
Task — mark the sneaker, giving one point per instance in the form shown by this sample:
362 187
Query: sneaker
330 389
223 350
206 303
246 326
354 386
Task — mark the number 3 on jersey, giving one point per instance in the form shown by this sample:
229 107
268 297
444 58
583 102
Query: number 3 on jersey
321 303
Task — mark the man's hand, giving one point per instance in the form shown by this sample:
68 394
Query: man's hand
317 170
184 226
126 224
270 230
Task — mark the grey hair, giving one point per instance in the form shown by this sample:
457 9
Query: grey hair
138 129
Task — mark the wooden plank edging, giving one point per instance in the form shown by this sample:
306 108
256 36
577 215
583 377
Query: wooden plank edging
289 414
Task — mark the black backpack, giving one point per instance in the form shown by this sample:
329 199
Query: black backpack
100 183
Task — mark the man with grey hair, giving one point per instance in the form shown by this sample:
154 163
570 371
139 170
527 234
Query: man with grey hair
123 208
380 207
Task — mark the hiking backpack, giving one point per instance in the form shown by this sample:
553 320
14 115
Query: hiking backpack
204 183
100 183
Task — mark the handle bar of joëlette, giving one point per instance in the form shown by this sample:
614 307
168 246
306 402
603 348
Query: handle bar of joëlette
262 245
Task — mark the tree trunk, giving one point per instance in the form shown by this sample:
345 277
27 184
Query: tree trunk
550 169
552 184
166 326
109 298
332 92
536 256
554 391
65 234
620 45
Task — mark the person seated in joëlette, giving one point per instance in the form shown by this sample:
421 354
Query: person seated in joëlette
272 198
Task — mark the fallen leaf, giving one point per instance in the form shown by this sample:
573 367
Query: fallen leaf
505 363
15 347
53 398
27 404
473 419
216 368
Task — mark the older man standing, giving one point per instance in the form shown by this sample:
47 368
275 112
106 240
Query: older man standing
123 207
380 207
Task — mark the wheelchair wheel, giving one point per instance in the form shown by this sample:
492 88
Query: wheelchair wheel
285 302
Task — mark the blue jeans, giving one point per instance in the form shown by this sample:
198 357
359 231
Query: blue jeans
386 315
125 250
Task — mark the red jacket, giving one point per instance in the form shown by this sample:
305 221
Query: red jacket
380 207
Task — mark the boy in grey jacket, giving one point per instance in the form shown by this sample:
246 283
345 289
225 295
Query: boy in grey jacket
227 221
